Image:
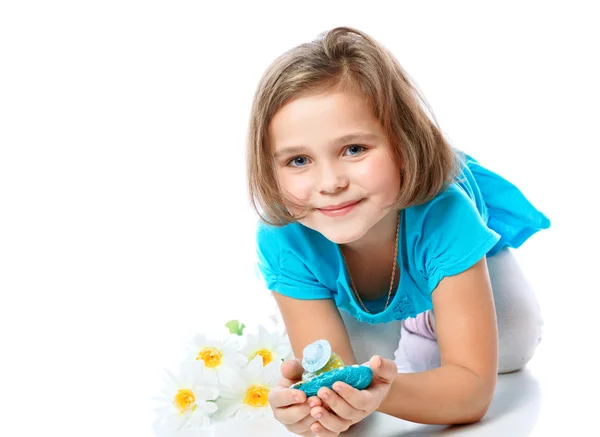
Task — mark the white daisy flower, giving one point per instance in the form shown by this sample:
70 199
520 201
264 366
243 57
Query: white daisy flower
222 357
270 346
248 395
188 399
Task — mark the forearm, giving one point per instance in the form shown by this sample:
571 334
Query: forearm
446 395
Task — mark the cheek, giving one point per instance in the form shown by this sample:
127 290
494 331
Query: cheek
298 187
381 177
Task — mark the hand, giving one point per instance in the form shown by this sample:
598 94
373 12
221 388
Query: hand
349 405
290 406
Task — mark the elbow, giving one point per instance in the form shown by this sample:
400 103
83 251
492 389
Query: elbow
473 416
478 404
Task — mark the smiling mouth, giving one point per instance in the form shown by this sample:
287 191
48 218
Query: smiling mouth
340 209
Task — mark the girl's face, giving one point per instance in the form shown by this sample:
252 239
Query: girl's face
332 157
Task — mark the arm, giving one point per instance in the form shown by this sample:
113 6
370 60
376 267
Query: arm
309 320
460 391
306 321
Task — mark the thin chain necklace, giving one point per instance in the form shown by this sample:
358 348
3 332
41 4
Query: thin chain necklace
355 291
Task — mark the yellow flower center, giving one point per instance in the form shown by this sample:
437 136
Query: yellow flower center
257 396
211 357
266 355
185 400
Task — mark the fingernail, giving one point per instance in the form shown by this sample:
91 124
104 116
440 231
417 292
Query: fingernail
318 416
313 404
297 399
324 395
338 388
377 362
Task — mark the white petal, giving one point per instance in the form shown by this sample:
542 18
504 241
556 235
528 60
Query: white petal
247 350
268 412
275 340
235 359
200 340
190 371
255 366
257 413
231 344
271 373
263 333
250 346
228 408
167 409
228 376
252 412
237 391
206 393
204 423
174 421
207 378
209 407
243 412
198 420
282 350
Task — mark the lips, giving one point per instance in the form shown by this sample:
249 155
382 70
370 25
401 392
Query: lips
339 209
339 205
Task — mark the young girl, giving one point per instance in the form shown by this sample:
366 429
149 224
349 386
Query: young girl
371 224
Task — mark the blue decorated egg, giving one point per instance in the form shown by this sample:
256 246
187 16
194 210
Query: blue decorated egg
356 376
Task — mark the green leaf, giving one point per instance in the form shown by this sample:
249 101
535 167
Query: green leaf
235 327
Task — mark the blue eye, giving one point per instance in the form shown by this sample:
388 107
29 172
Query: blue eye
354 150
298 161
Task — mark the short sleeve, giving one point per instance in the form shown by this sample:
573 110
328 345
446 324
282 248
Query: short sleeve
454 236
282 267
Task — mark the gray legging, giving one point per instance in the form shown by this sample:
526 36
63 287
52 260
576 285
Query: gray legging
519 326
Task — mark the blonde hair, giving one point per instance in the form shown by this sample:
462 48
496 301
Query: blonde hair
348 59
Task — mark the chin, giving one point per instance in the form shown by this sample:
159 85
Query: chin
342 236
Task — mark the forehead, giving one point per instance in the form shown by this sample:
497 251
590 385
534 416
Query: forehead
320 118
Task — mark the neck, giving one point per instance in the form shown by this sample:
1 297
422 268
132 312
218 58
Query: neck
382 235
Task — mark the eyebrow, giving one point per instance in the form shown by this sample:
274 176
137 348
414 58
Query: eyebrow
356 136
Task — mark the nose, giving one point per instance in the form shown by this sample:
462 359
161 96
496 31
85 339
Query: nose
331 179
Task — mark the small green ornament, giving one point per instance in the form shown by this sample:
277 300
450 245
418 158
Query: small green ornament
235 327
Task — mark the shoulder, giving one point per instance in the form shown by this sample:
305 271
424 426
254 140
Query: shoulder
448 234
294 241
454 203
293 237
461 196
294 261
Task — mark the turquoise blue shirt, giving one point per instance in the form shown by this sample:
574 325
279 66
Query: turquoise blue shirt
476 216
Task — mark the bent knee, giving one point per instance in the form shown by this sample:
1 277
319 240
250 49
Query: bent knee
517 311
517 344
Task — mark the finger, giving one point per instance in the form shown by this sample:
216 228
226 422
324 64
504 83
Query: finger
283 397
315 401
330 421
319 430
357 399
303 425
339 406
292 370
384 370
293 414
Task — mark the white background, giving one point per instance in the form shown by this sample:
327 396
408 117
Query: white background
125 226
